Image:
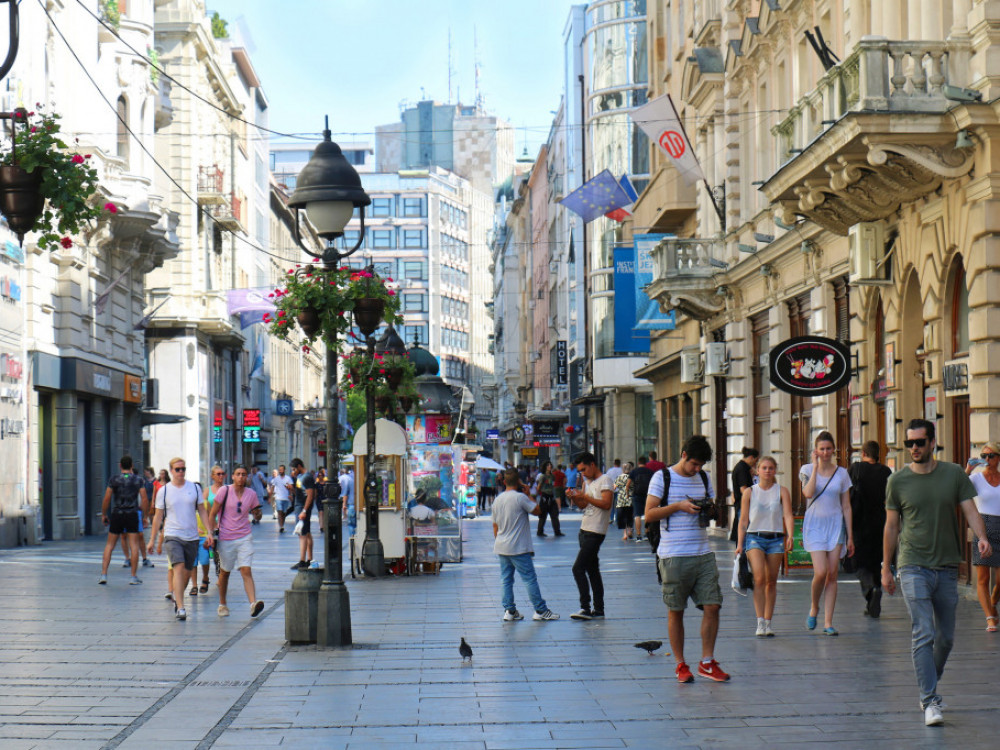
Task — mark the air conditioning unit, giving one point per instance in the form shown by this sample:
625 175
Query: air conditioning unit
691 371
866 243
716 361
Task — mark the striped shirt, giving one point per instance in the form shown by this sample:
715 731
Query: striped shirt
684 538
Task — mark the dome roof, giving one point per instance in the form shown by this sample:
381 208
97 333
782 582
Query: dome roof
425 362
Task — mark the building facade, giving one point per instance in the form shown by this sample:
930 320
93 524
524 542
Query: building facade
859 207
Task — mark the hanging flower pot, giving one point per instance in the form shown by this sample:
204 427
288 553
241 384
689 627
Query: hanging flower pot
405 403
309 321
394 376
21 200
368 314
382 403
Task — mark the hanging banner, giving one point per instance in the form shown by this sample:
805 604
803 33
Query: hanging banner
627 338
648 315
810 366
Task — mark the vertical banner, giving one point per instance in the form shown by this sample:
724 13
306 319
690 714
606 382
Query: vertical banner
648 316
562 363
627 339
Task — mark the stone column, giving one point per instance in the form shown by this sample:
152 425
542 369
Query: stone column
65 523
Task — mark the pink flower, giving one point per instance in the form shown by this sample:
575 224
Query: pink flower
66 242
267 318
86 156
306 349
382 371
271 294
33 128
389 278
109 206
392 293
77 159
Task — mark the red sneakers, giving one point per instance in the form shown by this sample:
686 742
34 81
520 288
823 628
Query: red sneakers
712 671
684 673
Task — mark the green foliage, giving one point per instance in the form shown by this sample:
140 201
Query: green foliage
220 26
333 295
154 63
361 373
357 412
111 14
68 181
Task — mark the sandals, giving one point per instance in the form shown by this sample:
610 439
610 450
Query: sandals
991 624
193 591
204 587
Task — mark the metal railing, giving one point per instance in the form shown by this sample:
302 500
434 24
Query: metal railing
686 258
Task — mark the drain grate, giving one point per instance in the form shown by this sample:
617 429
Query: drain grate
220 683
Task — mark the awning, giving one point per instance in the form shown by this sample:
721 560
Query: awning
590 399
151 417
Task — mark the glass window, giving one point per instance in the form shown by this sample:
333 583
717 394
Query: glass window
413 207
381 207
416 332
415 269
413 238
385 268
350 237
414 302
383 239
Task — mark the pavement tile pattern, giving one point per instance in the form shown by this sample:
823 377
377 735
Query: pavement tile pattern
88 666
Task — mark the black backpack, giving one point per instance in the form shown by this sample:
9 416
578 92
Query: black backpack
653 527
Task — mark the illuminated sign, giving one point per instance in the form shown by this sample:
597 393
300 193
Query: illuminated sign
251 425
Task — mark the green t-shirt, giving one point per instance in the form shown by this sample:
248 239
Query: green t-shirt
927 505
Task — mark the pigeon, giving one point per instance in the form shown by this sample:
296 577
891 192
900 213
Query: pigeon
465 650
649 646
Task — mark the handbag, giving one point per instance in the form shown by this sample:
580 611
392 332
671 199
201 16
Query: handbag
745 573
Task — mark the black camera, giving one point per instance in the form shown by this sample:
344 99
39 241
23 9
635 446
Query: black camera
706 510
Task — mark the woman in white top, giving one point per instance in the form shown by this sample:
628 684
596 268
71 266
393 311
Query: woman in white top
765 532
827 525
987 485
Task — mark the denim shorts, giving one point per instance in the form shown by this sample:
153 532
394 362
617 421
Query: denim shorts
767 546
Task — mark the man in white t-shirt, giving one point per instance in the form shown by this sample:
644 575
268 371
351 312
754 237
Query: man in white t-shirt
512 532
182 503
687 564
278 487
595 500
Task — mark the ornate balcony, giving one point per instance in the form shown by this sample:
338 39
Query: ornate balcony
874 133
210 185
686 276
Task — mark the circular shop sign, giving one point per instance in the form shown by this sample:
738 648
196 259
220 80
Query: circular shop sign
810 366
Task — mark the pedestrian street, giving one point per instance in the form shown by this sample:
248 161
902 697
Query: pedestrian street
88 666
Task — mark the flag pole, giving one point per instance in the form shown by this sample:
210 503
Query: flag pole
711 193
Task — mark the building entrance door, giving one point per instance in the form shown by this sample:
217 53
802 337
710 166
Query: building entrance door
961 449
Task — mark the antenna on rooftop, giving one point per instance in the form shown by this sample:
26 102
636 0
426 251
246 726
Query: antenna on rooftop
475 47
450 66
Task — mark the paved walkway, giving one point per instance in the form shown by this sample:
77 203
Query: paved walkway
86 666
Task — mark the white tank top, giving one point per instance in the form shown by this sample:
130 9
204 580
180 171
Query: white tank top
765 509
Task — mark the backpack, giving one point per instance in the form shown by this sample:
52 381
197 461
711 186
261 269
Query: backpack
653 527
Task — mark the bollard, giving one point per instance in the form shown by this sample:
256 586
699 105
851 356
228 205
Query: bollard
302 606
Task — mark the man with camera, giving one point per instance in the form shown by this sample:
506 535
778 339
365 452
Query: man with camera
687 565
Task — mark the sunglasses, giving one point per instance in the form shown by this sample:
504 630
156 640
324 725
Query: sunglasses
919 442
239 506
988 456
180 468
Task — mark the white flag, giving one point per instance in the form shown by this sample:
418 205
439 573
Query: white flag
658 119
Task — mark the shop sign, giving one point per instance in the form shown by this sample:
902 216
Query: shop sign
931 405
217 426
10 289
230 411
955 377
810 366
879 390
546 433
562 363
11 368
11 393
251 425
133 389
493 434
531 452
434 429
11 428
284 407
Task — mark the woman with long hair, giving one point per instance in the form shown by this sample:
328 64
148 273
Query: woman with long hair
827 525
765 532
987 485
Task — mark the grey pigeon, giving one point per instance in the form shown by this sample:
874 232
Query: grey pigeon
649 646
465 650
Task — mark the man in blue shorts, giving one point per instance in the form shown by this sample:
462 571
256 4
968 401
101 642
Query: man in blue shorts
278 487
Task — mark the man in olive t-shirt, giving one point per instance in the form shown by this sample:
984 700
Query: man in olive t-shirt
920 504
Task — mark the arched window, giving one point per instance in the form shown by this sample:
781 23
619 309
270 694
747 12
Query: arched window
959 312
123 137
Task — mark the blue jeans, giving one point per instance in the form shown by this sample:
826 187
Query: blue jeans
931 596
526 569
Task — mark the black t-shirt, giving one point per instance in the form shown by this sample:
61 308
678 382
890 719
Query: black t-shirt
304 483
640 477
742 478
125 492
868 498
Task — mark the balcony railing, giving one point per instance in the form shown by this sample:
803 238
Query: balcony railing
210 185
229 214
879 76
686 258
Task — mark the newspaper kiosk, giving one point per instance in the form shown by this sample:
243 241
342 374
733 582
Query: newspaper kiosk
392 470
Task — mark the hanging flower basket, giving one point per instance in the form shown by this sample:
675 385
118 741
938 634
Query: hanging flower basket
47 180
368 314
309 321
389 377
334 296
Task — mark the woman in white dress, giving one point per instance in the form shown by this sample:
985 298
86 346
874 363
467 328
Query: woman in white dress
826 526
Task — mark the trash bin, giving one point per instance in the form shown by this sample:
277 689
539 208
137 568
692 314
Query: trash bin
302 606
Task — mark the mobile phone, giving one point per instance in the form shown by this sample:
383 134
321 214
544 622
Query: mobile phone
976 461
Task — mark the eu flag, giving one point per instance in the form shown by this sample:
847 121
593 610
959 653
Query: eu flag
597 197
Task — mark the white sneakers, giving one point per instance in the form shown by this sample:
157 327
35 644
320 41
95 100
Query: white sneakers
223 610
761 629
933 716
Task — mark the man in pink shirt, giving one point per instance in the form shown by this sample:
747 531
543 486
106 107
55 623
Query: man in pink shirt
230 516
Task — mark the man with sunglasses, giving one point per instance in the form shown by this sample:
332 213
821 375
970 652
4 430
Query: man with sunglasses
182 503
231 515
920 504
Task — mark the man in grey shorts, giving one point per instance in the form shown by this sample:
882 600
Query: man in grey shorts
182 502
687 565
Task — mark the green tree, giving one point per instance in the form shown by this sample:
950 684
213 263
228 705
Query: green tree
219 26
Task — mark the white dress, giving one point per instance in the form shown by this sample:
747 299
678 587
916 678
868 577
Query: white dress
823 526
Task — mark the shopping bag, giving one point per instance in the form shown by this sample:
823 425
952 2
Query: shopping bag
736 578
298 528
745 573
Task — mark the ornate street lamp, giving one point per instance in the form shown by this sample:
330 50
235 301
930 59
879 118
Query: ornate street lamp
329 189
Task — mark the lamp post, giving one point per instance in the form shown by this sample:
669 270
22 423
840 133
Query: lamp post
329 189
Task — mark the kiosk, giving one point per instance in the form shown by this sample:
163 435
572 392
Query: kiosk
392 470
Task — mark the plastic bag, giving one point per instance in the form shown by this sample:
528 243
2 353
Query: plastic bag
736 578
298 527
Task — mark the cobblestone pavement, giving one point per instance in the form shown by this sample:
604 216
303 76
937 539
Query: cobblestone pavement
86 666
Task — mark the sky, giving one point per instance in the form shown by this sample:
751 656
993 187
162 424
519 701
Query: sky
358 61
